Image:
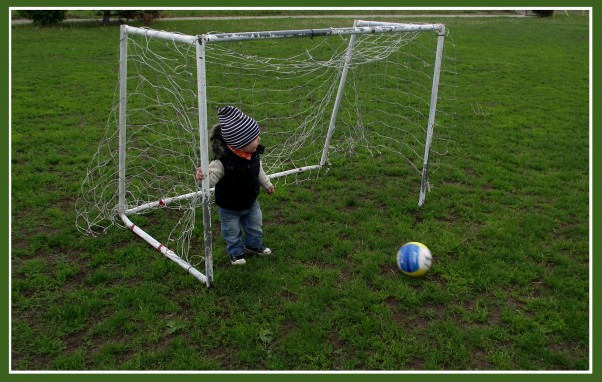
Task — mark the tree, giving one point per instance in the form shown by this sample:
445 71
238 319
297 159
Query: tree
106 17
544 12
44 18
145 16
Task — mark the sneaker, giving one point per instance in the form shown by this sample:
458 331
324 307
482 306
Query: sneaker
261 251
237 260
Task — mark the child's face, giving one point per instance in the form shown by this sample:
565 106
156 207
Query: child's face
251 147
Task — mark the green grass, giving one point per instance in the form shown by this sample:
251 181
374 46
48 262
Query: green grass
507 222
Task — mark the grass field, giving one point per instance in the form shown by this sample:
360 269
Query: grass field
507 221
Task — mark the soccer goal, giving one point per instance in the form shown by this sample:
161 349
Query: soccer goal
356 92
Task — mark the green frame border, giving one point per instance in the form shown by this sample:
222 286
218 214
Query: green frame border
459 376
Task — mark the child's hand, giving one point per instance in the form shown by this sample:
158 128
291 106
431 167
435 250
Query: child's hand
270 190
199 174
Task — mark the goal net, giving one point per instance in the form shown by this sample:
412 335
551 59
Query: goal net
317 94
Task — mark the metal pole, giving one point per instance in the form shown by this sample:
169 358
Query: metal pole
431 122
439 28
337 102
170 36
164 250
365 28
123 73
204 147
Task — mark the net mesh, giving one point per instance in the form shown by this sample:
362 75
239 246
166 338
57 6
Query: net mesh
289 86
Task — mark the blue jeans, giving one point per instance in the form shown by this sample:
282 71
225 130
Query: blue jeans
233 222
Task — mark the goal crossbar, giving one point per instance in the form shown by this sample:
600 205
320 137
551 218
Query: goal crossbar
362 27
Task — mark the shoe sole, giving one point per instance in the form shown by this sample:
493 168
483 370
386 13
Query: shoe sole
241 261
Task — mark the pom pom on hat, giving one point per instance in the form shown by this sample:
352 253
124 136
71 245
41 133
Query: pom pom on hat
238 129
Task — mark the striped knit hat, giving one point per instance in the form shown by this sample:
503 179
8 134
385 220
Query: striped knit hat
238 129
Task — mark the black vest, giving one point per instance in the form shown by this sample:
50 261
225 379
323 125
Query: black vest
239 187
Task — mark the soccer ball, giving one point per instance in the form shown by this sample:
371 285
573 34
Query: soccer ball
414 259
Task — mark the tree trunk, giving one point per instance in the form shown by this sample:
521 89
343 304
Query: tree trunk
106 17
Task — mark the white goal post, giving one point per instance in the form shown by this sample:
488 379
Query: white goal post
167 93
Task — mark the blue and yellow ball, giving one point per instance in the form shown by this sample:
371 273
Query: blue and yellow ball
414 259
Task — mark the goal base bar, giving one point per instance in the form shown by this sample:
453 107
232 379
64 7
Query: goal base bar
166 251
294 171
